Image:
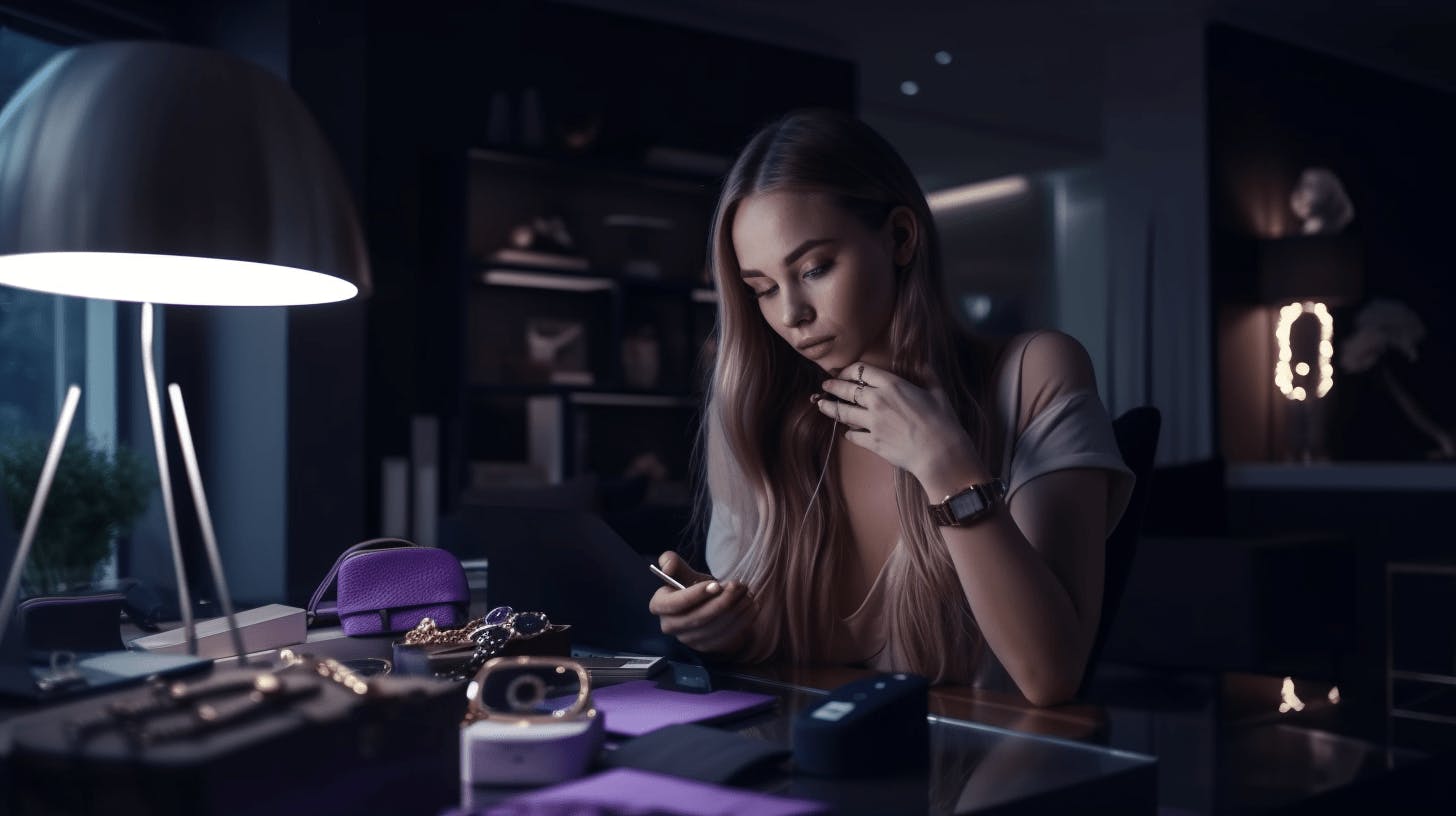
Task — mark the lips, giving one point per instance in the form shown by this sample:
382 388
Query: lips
816 347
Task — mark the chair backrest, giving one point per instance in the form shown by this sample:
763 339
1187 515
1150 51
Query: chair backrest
1137 439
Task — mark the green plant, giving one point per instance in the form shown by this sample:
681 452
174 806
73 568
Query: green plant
95 497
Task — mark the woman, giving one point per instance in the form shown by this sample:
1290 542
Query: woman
833 324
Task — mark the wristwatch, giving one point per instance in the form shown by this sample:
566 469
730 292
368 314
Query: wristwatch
970 505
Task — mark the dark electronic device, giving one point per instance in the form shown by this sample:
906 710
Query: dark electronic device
870 726
74 623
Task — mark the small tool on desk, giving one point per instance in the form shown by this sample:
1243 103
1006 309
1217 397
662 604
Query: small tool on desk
666 579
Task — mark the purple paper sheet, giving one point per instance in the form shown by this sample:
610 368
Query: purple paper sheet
637 707
628 791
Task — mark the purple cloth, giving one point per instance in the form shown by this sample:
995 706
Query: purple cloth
634 708
626 792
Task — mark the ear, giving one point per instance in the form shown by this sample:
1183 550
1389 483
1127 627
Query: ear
904 232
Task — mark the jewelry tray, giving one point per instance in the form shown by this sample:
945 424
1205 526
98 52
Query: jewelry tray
431 659
394 750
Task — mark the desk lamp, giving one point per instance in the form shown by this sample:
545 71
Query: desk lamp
159 173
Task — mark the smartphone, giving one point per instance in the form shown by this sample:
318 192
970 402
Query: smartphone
622 667
666 579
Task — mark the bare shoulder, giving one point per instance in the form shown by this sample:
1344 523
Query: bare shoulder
1054 363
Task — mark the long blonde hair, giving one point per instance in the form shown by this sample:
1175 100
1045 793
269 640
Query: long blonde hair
778 442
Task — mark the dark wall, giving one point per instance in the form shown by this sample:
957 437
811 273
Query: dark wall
1275 110
433 75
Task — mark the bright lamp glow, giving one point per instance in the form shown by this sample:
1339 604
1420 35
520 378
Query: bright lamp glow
1288 700
171 279
1284 372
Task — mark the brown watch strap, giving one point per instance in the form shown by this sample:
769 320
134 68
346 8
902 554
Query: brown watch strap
987 495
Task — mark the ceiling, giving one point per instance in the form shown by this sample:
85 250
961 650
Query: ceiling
1023 90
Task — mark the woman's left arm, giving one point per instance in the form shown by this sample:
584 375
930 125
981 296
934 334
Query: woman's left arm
1031 572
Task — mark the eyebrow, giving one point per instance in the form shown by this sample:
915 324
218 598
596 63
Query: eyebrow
789 258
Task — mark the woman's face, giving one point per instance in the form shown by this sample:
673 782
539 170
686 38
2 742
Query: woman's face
824 282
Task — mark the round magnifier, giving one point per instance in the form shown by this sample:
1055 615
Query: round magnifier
529 689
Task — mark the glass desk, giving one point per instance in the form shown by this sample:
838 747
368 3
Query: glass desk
974 767
991 752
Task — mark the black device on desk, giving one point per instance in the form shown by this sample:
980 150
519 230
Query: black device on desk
873 725
60 647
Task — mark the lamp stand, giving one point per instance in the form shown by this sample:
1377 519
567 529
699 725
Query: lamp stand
37 506
199 496
164 478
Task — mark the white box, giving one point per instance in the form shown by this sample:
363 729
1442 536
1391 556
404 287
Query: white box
264 628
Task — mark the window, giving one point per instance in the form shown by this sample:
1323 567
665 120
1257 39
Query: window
48 342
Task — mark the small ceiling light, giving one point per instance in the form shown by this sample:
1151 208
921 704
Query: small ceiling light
942 58
909 87
954 197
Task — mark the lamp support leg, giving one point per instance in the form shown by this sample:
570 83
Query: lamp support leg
164 477
37 506
204 516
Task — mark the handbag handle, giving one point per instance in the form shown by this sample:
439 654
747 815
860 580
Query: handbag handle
328 582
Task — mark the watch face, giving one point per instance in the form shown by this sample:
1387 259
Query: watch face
966 504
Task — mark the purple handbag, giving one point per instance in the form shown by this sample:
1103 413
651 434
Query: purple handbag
389 585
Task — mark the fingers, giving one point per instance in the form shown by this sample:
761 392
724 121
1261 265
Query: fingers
675 602
852 393
862 439
862 372
674 565
723 633
843 412
710 613
690 611
724 636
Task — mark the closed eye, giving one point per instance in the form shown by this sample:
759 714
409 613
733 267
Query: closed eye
818 271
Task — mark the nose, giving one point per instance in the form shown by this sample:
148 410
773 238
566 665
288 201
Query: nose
796 308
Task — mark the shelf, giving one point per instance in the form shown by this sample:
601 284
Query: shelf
1424 677
590 395
1421 568
619 170
629 400
1407 714
542 279
589 281
1382 476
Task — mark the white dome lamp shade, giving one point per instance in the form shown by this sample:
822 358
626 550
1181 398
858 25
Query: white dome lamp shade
159 173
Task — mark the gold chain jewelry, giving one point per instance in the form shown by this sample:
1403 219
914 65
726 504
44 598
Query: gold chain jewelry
329 669
427 633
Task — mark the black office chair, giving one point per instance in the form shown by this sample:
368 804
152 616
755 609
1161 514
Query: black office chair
1137 439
